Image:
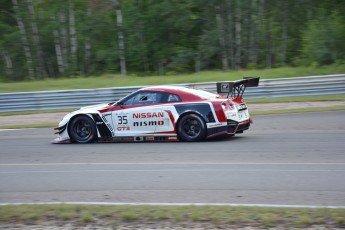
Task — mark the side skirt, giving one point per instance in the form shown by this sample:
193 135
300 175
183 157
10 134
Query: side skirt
140 139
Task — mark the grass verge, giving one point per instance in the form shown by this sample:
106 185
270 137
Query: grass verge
286 111
112 80
37 112
218 216
322 98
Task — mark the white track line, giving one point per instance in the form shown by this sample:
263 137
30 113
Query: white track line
170 163
8 130
1 130
174 204
169 170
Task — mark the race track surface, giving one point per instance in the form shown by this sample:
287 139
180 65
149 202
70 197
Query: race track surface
294 159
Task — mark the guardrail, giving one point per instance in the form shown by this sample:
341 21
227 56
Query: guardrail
64 99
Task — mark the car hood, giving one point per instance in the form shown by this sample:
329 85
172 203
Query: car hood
82 110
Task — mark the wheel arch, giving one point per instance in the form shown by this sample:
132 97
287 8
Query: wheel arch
181 118
188 113
76 116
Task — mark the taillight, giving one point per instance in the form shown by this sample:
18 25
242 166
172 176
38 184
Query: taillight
224 107
231 106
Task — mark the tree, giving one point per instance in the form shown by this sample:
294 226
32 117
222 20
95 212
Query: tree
165 37
36 40
238 35
24 39
121 38
323 40
8 62
58 50
73 36
221 37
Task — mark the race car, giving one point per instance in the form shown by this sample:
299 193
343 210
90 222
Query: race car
162 113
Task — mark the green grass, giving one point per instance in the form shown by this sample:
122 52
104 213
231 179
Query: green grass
334 97
286 111
112 80
217 216
36 112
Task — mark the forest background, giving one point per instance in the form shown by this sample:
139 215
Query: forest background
42 39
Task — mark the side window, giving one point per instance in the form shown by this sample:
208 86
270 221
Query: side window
173 98
128 101
143 98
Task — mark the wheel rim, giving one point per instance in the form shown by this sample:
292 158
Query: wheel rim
191 127
82 129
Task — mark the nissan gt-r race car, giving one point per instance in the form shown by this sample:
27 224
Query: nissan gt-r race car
162 113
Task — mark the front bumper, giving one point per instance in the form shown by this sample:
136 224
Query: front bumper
63 136
60 129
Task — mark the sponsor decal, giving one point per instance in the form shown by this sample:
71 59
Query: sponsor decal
232 114
242 115
215 125
123 128
225 87
148 115
138 138
148 123
121 118
149 138
241 107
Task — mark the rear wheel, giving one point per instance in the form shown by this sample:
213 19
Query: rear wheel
82 129
191 128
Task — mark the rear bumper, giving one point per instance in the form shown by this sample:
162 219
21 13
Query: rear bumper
237 127
232 127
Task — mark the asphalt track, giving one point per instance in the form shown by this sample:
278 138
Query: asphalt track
293 159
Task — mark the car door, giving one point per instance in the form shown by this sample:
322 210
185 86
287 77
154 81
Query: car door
166 125
139 114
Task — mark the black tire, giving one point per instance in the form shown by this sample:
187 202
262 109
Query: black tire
191 128
82 129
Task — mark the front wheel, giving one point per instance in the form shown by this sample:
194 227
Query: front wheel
82 129
191 128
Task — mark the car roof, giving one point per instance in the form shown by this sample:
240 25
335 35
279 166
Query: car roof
186 94
165 88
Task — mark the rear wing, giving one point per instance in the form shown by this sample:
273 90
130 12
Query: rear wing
236 88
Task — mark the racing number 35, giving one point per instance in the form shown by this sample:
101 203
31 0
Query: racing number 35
122 120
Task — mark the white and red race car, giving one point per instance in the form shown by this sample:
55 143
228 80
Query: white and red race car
161 113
